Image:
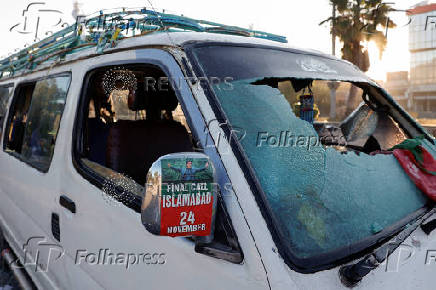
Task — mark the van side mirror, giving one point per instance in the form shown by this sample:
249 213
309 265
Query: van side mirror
180 196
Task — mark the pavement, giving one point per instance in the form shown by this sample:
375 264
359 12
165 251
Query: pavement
7 280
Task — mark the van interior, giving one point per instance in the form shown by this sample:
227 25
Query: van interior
355 122
134 117
18 124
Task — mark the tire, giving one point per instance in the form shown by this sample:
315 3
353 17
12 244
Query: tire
6 276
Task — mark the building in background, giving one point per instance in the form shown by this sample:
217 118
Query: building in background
397 85
422 46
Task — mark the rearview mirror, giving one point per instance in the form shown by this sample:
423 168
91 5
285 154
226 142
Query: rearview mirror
180 196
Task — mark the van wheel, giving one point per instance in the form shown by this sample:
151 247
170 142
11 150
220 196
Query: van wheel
7 279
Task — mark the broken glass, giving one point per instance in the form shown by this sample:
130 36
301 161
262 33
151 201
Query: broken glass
323 199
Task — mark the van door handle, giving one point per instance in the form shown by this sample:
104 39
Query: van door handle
67 203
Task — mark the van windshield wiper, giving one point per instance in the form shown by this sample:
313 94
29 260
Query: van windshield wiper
429 227
352 274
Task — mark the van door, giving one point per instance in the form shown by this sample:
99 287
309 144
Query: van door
28 182
128 116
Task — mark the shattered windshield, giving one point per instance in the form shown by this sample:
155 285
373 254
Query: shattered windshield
317 147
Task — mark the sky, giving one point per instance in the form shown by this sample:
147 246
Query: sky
297 20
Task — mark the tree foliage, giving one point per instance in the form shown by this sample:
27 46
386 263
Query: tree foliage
358 21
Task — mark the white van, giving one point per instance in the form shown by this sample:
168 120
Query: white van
302 199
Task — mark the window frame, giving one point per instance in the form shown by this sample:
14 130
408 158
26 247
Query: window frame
16 94
5 117
133 201
334 258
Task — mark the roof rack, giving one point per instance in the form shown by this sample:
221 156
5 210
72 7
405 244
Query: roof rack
105 29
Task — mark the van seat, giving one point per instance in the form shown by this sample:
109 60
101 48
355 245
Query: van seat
132 146
97 138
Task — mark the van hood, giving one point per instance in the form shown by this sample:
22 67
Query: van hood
410 266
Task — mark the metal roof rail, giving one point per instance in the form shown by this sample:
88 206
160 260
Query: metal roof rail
105 29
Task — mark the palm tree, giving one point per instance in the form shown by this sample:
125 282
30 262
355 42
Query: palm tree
357 22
